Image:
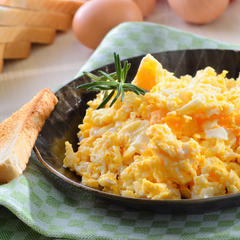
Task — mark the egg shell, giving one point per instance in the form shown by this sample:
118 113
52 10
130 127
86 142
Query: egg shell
146 6
96 18
199 11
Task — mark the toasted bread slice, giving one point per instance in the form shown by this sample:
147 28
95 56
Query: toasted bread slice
27 34
63 6
17 50
25 17
19 133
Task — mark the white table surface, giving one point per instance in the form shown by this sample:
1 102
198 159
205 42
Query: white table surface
52 65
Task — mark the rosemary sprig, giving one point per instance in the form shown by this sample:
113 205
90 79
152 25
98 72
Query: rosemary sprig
114 81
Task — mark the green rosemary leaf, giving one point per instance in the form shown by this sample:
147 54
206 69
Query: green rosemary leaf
105 100
122 94
116 97
113 81
100 78
107 76
113 75
141 90
131 90
118 66
87 85
92 76
101 88
124 71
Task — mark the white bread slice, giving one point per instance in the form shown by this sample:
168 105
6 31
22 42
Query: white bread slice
19 133
2 47
63 6
29 34
17 50
31 18
14 50
1 65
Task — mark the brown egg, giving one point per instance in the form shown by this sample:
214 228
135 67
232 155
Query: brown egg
96 18
146 6
199 11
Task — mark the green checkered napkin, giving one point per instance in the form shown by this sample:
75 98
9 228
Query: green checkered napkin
49 208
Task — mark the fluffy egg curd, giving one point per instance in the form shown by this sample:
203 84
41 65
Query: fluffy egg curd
179 140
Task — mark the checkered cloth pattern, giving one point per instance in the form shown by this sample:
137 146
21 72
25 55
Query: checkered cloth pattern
40 206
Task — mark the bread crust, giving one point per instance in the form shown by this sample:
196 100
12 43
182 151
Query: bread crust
19 132
41 35
31 18
1 63
17 50
63 6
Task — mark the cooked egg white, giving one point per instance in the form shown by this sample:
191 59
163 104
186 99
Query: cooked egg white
179 140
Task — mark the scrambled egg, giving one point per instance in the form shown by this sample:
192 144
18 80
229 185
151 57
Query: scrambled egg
179 140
